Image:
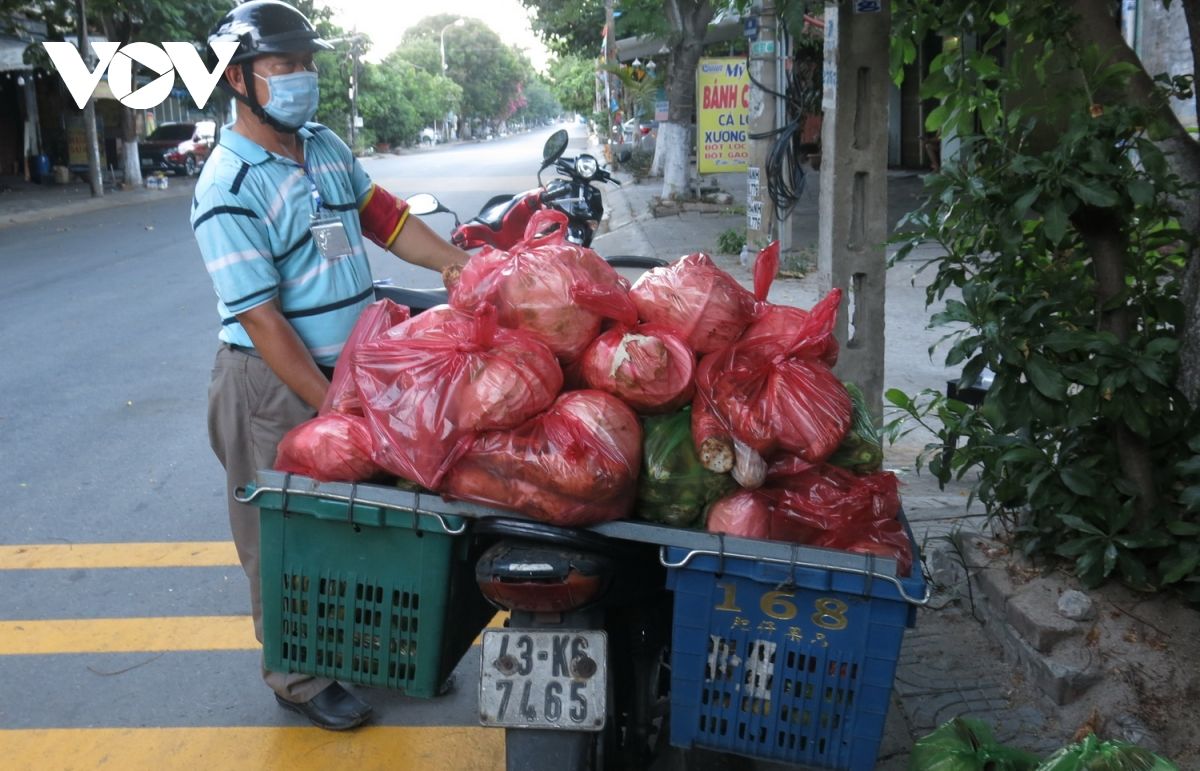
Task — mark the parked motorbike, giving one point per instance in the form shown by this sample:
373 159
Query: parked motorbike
502 220
579 677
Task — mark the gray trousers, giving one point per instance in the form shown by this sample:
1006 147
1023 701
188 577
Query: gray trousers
249 411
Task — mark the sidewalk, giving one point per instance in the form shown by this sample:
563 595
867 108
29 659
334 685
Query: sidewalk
949 665
23 202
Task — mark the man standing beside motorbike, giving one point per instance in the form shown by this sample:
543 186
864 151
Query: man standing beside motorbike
280 211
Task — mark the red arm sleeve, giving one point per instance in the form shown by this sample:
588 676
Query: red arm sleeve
382 216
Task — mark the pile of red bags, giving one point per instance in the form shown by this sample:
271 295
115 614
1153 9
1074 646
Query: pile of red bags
820 505
470 399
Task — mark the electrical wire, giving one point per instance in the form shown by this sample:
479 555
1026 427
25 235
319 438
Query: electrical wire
783 170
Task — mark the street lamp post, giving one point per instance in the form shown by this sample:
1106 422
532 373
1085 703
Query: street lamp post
456 23
354 39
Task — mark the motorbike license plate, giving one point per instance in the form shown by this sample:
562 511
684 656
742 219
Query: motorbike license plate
544 679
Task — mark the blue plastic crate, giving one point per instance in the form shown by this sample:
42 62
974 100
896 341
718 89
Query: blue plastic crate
782 662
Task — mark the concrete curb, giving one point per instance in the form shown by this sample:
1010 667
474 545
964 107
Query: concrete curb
1019 617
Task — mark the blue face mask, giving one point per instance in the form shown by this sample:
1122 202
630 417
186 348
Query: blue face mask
294 98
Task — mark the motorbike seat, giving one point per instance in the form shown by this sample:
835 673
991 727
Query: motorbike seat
417 300
497 208
565 537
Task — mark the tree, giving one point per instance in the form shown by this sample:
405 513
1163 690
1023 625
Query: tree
689 22
489 72
683 24
573 80
540 101
1062 225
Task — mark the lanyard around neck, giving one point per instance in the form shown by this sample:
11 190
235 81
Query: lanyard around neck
314 194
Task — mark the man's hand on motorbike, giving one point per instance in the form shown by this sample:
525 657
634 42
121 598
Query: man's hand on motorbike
451 275
420 245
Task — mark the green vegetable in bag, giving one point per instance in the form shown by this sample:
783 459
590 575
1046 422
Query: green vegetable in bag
1091 754
862 449
673 488
964 744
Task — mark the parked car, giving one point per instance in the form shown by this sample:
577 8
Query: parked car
178 147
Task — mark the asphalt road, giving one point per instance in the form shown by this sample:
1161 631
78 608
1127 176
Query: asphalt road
124 635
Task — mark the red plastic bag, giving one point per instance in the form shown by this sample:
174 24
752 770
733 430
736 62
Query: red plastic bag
575 464
698 301
820 506
832 507
744 513
775 397
553 289
436 317
426 397
329 448
648 367
375 320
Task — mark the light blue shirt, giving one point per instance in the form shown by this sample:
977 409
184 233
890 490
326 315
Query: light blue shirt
251 215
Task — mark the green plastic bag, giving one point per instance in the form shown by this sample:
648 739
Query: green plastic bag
673 488
964 744
862 449
1091 754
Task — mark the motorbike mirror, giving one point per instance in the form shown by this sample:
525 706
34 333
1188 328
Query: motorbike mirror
425 203
555 146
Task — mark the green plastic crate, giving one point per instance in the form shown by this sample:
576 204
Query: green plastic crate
379 595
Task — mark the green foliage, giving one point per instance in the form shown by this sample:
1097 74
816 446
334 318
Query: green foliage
638 95
1041 156
573 79
492 75
540 101
574 28
732 241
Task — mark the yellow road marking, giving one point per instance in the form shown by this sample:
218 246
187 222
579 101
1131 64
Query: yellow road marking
266 748
59 556
127 635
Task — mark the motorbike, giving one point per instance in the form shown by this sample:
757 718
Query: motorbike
579 676
502 220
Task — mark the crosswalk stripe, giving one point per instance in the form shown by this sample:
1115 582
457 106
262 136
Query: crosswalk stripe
82 556
126 635
135 635
258 748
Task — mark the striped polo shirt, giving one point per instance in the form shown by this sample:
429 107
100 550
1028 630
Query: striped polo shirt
251 215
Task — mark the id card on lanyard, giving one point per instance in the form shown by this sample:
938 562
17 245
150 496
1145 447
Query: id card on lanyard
328 232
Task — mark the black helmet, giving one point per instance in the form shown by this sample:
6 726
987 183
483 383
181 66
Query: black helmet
265 27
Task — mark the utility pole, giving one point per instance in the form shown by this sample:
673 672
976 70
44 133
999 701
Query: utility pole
853 223
760 210
609 58
95 174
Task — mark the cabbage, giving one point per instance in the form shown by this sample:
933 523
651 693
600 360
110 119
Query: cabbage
557 291
330 448
427 396
575 464
696 300
776 392
648 368
744 513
